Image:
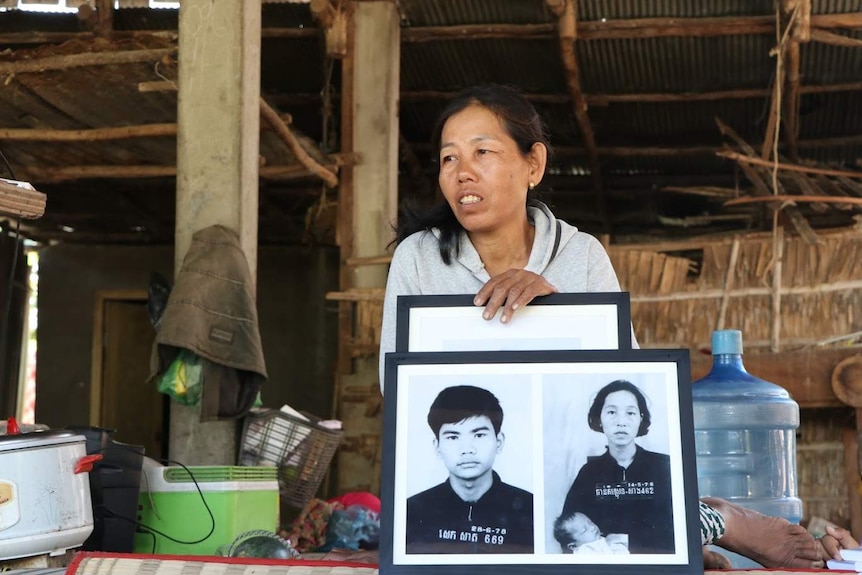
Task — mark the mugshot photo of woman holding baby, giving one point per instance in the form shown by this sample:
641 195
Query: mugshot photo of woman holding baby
618 487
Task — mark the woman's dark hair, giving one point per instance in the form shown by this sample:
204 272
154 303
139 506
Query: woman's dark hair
594 418
521 122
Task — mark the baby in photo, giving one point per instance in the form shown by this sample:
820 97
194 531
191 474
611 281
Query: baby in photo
577 533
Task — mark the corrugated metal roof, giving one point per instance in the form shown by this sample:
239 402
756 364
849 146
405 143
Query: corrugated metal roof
675 65
534 65
836 6
295 71
614 9
446 12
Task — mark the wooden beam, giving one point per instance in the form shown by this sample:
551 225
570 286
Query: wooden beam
567 31
775 308
794 199
791 105
772 123
784 166
587 30
39 37
851 472
607 99
346 200
629 28
49 175
833 39
799 13
272 118
792 212
670 151
805 374
104 27
91 135
292 33
68 61
477 32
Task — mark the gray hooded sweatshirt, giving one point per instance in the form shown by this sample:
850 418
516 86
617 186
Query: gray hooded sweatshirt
580 265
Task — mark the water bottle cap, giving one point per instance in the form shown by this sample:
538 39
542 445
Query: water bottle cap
727 341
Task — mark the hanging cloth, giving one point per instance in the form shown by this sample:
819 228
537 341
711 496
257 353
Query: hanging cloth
212 312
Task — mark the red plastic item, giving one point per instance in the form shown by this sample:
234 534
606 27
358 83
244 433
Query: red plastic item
362 498
85 464
12 426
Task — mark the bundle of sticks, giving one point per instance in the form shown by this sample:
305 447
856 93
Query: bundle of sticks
21 200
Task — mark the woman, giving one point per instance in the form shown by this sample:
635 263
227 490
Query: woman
627 488
490 237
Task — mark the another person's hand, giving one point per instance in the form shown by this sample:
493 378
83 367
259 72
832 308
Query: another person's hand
714 560
370 556
836 539
511 290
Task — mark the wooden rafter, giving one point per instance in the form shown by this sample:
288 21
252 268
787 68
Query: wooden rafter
68 61
760 186
586 30
670 151
97 134
794 199
566 12
799 14
606 99
630 28
742 158
774 118
104 18
825 37
68 173
281 128
90 135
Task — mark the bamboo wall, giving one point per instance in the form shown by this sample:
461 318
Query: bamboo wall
678 302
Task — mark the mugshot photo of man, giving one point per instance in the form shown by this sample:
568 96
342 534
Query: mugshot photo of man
473 510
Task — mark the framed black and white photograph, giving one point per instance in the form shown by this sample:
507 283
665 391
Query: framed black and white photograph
597 320
539 461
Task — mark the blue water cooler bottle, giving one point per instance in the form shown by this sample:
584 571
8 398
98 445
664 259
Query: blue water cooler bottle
745 437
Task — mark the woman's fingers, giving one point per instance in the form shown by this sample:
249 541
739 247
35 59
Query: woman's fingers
511 290
836 538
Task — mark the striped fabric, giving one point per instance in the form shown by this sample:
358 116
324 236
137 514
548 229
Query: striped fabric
711 524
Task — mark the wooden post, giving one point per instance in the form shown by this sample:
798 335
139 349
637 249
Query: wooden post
777 265
217 167
104 18
798 14
566 11
851 473
728 283
367 210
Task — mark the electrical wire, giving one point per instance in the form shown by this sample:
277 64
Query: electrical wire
148 529
7 307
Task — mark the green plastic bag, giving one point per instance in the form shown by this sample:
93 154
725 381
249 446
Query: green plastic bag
183 379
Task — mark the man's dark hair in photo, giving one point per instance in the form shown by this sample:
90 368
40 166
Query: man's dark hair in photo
461 402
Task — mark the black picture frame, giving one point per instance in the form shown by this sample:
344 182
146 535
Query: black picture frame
534 389
591 320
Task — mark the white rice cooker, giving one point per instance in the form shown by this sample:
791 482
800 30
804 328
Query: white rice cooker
45 504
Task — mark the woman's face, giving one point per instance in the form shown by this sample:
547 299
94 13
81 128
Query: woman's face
621 417
483 175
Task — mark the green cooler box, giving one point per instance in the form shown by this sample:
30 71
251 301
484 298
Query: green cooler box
196 510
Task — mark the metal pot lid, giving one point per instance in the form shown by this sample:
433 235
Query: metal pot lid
39 439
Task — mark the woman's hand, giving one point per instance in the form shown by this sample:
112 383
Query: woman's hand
836 539
511 290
